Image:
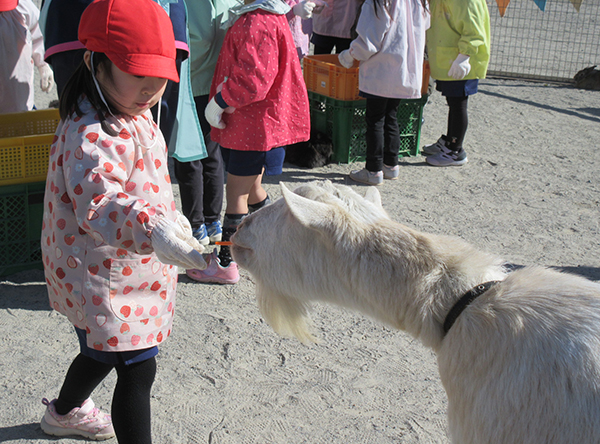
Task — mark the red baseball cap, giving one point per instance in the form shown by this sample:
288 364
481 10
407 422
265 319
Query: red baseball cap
136 35
8 5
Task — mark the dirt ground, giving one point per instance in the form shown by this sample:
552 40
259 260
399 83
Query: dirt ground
530 193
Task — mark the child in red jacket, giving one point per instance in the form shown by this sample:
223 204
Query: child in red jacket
258 106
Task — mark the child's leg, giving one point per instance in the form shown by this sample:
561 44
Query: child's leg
322 44
131 402
258 195
82 378
458 121
237 192
74 413
375 119
391 133
212 165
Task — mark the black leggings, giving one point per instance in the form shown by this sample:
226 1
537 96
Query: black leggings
130 408
458 121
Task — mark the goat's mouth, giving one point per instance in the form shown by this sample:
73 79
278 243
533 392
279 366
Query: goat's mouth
239 253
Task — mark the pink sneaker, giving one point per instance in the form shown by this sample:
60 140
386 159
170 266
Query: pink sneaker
214 272
86 421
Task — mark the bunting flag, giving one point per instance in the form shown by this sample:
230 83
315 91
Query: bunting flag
577 4
541 4
503 4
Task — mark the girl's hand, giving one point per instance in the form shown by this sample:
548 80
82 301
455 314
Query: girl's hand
174 244
460 67
304 9
346 59
214 114
46 77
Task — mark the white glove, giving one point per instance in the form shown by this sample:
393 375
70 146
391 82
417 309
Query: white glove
304 9
174 244
460 67
46 77
214 114
229 109
185 225
346 59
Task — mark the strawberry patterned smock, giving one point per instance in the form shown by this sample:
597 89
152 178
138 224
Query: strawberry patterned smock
104 194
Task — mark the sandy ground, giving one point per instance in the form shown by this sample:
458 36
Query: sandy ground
530 193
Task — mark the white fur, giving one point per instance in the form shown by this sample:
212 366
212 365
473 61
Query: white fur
521 365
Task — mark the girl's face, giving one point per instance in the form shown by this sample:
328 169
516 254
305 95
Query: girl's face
132 95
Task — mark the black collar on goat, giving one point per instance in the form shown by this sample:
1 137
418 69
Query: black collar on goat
463 303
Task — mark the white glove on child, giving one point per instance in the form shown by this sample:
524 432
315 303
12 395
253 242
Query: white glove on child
214 114
174 244
346 59
304 9
460 67
46 77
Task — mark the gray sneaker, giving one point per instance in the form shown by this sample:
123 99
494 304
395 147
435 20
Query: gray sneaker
435 148
391 173
448 158
365 176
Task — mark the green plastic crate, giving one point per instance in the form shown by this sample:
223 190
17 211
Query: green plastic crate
21 214
344 123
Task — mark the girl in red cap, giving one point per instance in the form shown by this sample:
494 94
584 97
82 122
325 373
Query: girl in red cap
112 239
258 105
21 48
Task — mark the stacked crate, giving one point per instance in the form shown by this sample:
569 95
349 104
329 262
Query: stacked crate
25 140
337 110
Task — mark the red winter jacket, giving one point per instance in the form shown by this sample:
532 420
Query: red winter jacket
264 84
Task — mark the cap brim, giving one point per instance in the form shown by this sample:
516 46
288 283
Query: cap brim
147 65
8 5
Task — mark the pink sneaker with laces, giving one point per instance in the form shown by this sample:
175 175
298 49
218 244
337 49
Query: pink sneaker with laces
214 273
85 421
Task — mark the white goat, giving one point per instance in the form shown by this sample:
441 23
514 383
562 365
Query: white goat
521 362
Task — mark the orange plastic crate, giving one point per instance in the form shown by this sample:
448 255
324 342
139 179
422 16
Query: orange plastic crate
325 75
25 140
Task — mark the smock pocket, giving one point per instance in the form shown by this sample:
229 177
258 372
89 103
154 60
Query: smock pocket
136 293
445 56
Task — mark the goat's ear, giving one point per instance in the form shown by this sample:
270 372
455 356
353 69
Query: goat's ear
308 212
373 196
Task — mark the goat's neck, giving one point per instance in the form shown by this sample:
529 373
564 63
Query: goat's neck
411 280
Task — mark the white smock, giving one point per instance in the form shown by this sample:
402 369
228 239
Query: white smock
21 48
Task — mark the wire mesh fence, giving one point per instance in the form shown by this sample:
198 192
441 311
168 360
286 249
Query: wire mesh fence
550 45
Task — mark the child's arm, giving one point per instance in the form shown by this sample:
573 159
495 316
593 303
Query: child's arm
371 31
256 64
32 14
108 206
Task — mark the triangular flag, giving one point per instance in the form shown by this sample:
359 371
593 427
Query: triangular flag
541 4
577 4
503 4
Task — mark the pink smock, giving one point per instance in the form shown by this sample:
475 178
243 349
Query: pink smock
21 48
263 82
104 194
301 30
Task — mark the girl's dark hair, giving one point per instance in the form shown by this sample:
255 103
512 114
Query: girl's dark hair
82 83
384 4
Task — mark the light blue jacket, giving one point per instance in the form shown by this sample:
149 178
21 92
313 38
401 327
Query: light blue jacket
207 20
